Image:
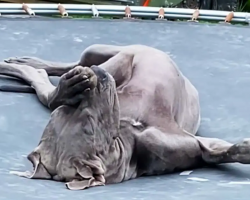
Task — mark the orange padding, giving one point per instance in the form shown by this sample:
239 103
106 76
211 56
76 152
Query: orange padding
146 3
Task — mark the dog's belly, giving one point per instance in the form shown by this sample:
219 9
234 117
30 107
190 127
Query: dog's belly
131 105
145 104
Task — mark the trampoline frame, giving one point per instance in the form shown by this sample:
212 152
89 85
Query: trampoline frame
126 11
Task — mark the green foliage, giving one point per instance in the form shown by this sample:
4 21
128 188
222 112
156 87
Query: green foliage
243 6
247 7
165 3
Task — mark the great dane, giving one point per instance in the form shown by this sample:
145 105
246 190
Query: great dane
118 113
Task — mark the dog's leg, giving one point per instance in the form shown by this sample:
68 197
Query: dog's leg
69 91
120 67
72 87
92 55
52 68
72 84
118 64
38 79
161 152
217 151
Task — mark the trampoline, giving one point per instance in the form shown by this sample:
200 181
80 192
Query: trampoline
214 57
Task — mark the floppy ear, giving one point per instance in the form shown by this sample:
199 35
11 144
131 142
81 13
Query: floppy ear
79 185
39 170
83 170
86 173
99 181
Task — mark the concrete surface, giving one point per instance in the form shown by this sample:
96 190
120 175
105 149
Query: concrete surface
214 57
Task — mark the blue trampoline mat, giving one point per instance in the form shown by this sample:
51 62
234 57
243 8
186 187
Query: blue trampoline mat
214 57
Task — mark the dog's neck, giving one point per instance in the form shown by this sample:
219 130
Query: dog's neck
114 138
120 161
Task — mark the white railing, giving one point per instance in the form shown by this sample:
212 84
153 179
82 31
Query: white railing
136 11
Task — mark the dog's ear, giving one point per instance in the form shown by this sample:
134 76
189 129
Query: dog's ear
89 180
39 172
83 170
79 185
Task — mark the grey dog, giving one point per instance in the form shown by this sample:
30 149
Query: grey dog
118 113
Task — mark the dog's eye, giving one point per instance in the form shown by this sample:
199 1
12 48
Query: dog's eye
100 73
105 77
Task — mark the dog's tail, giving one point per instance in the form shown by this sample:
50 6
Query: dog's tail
17 88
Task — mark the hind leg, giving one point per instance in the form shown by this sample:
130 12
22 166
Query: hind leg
217 151
159 152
